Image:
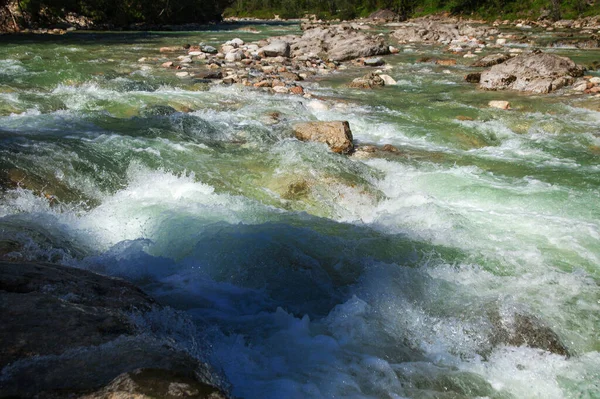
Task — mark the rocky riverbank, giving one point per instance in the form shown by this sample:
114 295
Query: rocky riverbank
67 332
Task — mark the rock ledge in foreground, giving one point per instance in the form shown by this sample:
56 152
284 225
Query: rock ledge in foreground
66 331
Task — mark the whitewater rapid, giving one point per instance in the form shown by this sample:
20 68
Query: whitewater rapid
308 274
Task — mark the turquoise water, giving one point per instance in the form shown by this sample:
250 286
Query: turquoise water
311 274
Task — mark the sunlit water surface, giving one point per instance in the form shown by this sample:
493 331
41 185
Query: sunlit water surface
311 274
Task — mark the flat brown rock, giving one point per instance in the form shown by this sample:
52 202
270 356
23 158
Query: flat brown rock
336 134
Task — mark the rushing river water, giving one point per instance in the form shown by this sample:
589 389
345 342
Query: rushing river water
312 274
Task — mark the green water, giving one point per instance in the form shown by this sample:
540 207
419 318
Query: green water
321 275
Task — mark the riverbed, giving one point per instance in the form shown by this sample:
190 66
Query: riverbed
311 274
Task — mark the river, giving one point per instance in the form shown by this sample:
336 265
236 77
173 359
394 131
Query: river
310 274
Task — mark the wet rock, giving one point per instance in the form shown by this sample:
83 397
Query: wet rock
499 104
277 48
368 81
534 73
522 329
210 75
336 134
65 329
473 77
209 49
449 62
156 383
373 62
167 64
491 60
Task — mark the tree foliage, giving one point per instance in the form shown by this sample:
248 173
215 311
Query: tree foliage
125 12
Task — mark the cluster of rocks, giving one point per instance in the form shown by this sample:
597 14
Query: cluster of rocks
591 23
535 72
277 64
457 34
67 332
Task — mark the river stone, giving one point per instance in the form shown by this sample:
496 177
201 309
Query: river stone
535 73
387 79
499 104
336 134
277 48
69 329
209 49
373 62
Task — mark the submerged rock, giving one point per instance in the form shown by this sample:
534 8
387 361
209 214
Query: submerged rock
522 329
336 134
535 73
70 330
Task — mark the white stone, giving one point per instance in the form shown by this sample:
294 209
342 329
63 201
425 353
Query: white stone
281 89
501 42
595 80
387 79
499 104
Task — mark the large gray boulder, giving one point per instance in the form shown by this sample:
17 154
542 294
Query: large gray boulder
336 43
70 330
534 73
336 134
277 48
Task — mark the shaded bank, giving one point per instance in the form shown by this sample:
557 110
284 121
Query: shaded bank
106 14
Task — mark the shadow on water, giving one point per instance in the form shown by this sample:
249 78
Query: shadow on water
99 38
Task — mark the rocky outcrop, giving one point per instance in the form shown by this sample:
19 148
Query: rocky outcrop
336 43
69 330
336 134
434 31
534 73
491 60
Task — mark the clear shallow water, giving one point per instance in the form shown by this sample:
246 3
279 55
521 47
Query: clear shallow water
311 274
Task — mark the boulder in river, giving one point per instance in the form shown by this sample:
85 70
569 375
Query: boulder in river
71 330
535 73
335 134
336 43
368 81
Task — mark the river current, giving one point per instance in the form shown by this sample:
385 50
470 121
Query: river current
310 274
